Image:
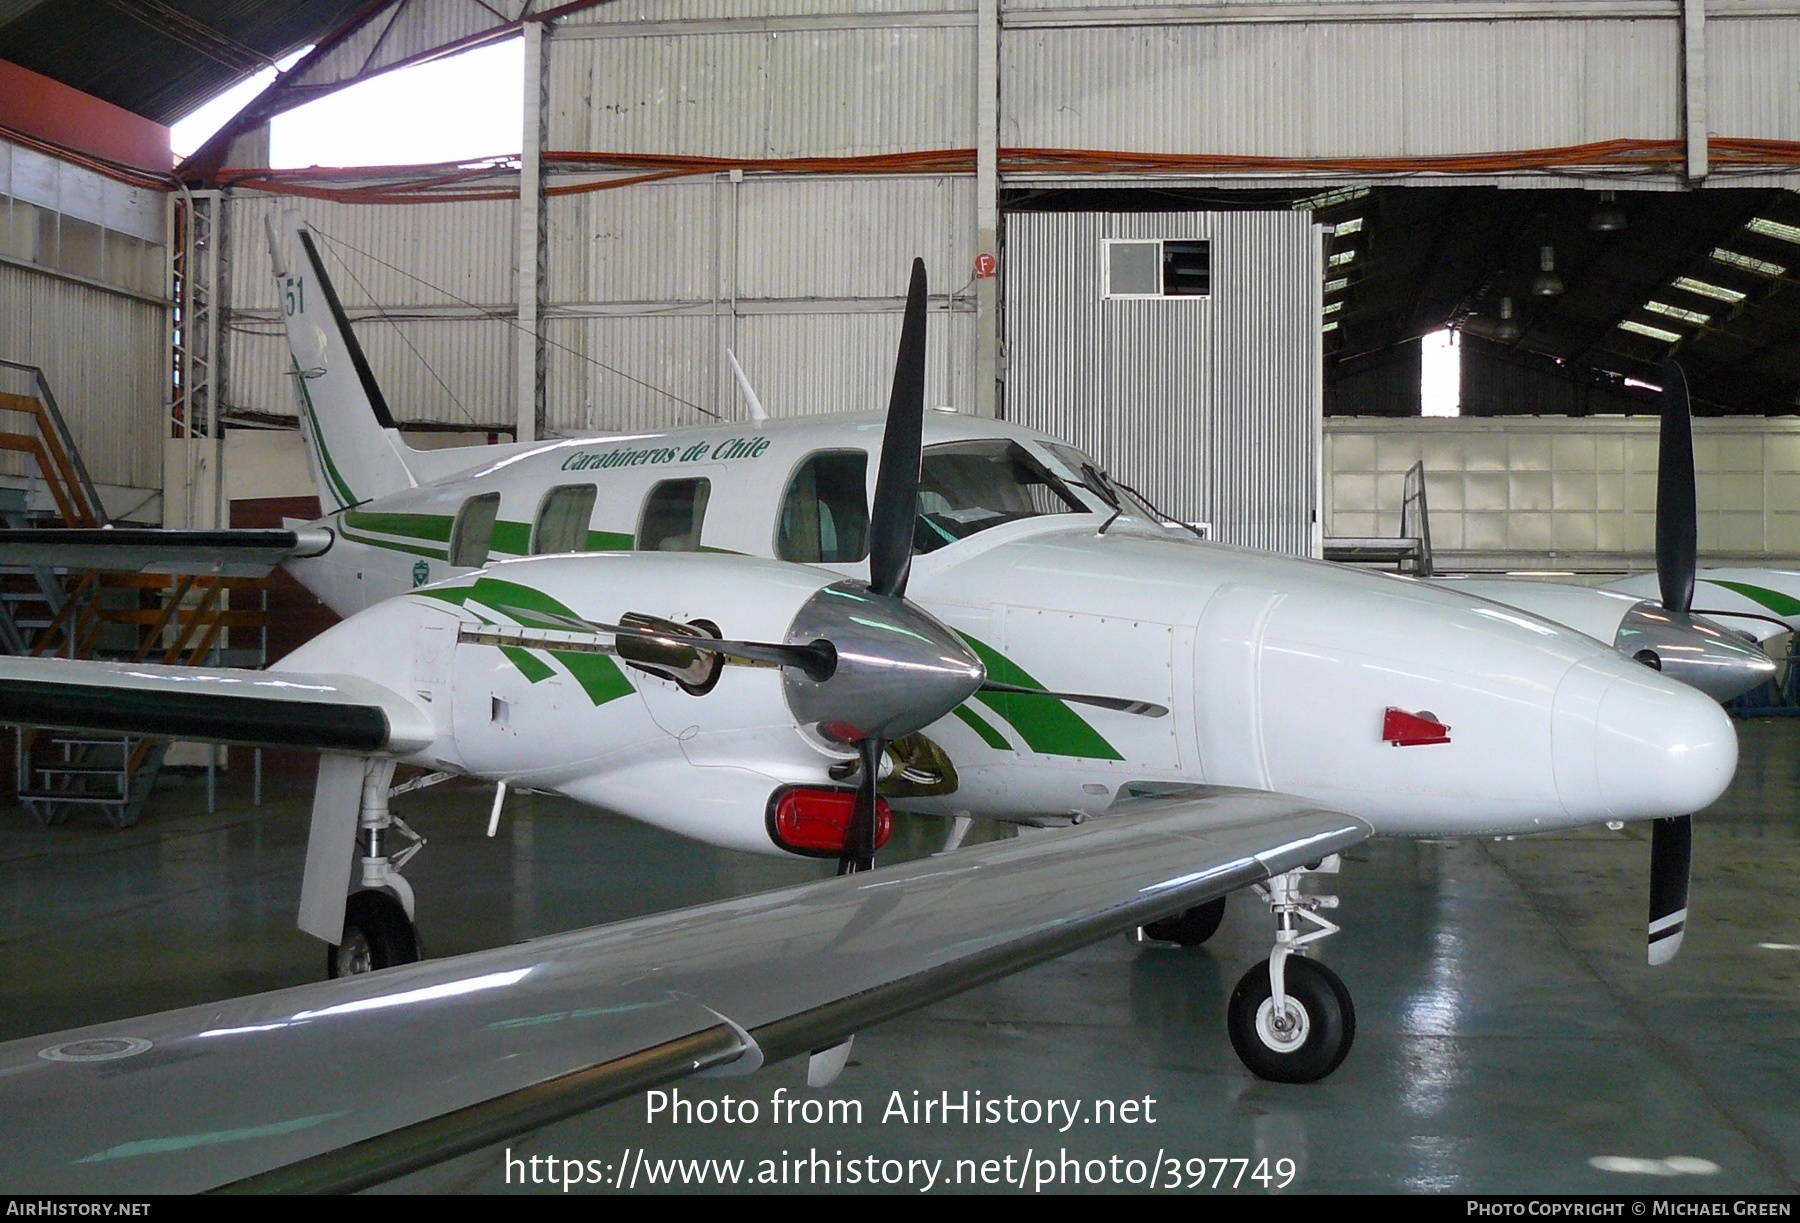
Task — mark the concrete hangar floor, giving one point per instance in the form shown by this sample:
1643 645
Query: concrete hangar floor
1510 1037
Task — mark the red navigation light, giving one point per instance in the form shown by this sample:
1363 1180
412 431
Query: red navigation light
816 823
1404 729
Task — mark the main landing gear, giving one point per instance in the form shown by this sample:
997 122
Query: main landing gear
378 919
1290 1018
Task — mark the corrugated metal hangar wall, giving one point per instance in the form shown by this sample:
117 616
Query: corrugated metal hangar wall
83 296
799 268
1213 400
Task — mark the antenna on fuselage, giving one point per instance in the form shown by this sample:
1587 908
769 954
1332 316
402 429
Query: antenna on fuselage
757 412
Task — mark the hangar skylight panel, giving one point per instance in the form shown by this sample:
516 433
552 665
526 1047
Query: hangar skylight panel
1655 333
1762 267
1676 312
1774 229
1704 288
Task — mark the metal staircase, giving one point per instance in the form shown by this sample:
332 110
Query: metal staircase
86 614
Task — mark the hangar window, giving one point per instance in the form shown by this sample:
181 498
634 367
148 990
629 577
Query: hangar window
1163 267
473 532
562 520
673 514
825 514
965 487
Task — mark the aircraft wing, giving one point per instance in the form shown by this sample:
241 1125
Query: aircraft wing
348 1083
343 713
227 553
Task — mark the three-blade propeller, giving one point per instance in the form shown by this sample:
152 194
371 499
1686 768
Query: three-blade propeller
891 523
1677 556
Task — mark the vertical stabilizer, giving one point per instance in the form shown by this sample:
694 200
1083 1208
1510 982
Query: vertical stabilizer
352 444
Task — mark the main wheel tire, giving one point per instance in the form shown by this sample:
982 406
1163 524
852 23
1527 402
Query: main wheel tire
1321 1023
1191 927
377 935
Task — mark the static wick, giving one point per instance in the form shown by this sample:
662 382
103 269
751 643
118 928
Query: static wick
494 815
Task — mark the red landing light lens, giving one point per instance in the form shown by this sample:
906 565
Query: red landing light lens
817 822
1404 729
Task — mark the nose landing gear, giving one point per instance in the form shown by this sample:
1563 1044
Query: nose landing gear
1290 1018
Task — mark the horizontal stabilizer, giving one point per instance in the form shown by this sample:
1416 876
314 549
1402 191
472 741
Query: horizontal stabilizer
342 713
343 1084
226 553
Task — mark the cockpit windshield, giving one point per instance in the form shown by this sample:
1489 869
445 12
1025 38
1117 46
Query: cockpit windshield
967 487
1087 473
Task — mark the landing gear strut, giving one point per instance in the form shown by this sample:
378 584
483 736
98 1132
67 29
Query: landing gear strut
1290 1018
378 920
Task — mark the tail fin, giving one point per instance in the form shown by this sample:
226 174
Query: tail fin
352 444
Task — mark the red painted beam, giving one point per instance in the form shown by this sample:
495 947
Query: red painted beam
57 114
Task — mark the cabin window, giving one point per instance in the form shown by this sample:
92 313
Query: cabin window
562 521
673 514
966 487
825 515
473 533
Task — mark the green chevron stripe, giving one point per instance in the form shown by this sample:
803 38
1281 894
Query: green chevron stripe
982 727
599 676
1046 724
533 668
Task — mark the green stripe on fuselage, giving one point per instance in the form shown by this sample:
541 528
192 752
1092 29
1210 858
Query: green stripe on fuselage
1046 724
1774 600
512 538
434 527
393 545
609 541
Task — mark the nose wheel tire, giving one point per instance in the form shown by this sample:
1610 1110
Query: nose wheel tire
1191 927
377 935
1306 1041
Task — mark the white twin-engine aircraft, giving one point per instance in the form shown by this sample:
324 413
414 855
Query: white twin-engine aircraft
712 631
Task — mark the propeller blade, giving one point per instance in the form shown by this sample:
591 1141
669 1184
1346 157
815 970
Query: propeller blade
1677 535
896 509
859 846
1671 853
1146 709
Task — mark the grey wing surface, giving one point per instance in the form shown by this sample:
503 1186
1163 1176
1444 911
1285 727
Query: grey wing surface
226 553
344 1084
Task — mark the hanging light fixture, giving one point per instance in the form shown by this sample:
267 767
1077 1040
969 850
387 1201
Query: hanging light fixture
1607 217
1548 283
1507 329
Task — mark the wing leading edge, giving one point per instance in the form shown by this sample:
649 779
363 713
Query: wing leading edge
235 552
298 1089
343 713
